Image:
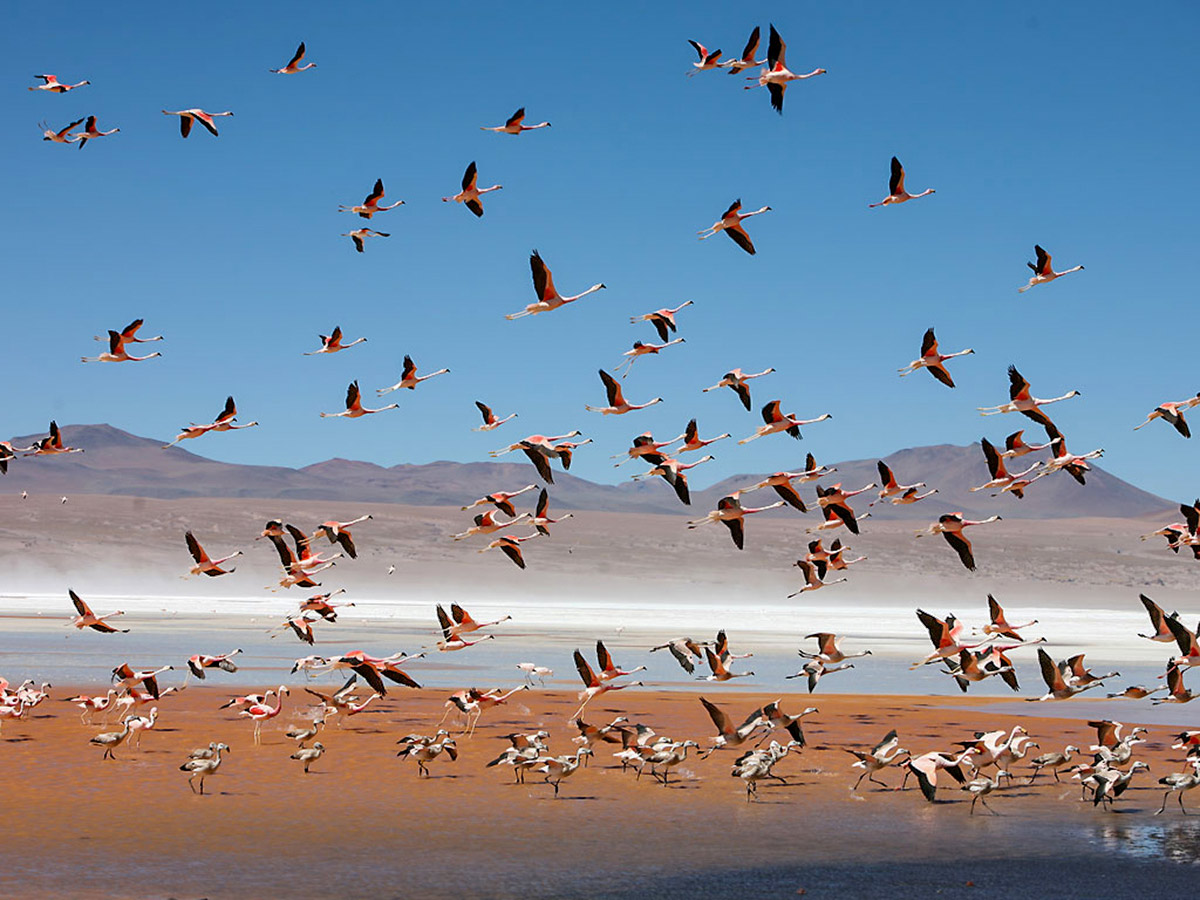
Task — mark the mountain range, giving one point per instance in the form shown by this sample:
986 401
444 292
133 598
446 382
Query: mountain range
119 463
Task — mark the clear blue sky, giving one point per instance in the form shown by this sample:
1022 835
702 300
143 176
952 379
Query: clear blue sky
1072 125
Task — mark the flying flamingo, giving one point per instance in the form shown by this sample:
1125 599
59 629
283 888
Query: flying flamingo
223 422
1014 446
548 296
409 378
8 452
513 125
490 419
731 223
644 447
642 349
127 677
339 533
617 405
370 206
540 449
510 546
736 380
998 624
1020 400
673 472
198 662
204 565
746 60
896 191
486 524
117 352
946 636
835 499
950 526
358 235
932 360
450 640
464 623
881 755
731 512
663 320
692 441
593 685
1172 413
261 712
88 619
1042 271
292 68
52 84
332 343
319 603
827 649
781 482
58 137
727 734
91 131
502 500
1001 478
129 334
609 669
52 444
354 407
470 193
776 422
814 576
889 488
1058 688
188 116
776 76
1075 464
541 518
707 60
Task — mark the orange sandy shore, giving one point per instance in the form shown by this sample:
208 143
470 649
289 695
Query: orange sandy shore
363 825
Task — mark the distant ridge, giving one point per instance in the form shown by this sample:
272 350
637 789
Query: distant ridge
116 462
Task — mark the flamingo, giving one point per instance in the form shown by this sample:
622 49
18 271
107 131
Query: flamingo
776 76
88 619
736 380
510 546
1179 783
836 560
198 662
731 223
513 125
828 650
202 768
1075 464
1057 686
358 235
1042 272
188 116
559 767
776 422
450 639
1176 692
409 378
932 361
91 131
835 499
127 677
686 651
673 473
52 444
490 420
609 669
746 60
950 526
369 207
641 348
52 84
731 512
117 352
979 788
897 193
486 524
663 320
332 342
91 705
1020 400
354 407
1001 478
593 684
541 518
1189 647
9 452
617 404
470 193
59 137
261 712
531 669
946 636
718 667
223 422
426 752
1014 446
548 296
1172 413
644 447
814 576
319 603
727 734
692 441
707 60
1052 761
925 768
111 740
129 334
999 625
879 757
888 486
204 565
814 669
465 623
339 533
970 668
140 724
292 68
540 449
502 500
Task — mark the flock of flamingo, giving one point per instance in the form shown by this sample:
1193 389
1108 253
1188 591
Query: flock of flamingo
965 656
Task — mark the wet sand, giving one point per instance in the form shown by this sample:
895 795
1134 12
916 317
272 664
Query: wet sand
363 825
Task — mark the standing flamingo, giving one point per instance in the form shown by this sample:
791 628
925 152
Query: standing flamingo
470 193
292 68
548 296
261 712
1042 272
776 75
896 191
188 116
731 223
